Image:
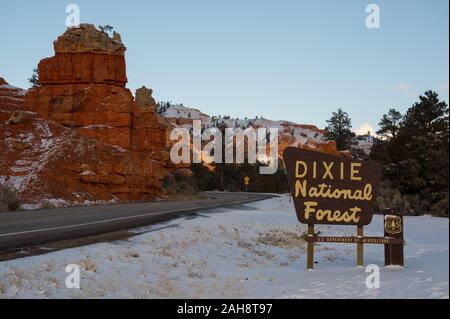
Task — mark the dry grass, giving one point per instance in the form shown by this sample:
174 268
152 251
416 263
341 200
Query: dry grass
166 251
88 265
109 285
281 238
192 272
165 287
332 257
54 282
49 266
140 290
132 254
15 278
231 288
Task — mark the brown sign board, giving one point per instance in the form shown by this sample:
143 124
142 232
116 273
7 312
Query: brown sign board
393 224
393 227
330 189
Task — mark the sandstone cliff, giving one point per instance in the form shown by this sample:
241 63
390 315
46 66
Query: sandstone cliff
11 98
84 137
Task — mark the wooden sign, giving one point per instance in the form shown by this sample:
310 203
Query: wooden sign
393 227
393 224
329 189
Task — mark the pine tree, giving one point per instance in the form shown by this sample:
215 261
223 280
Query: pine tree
106 28
34 80
339 130
429 116
415 158
390 124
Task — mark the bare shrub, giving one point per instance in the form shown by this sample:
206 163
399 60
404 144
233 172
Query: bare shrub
45 204
9 199
17 117
3 207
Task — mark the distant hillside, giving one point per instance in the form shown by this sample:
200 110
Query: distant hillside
290 133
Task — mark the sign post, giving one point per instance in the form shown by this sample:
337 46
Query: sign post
393 227
310 248
360 247
334 190
246 181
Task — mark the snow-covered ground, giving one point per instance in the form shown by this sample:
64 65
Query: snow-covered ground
254 250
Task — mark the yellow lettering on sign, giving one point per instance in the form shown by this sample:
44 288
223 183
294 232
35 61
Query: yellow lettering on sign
325 191
305 167
368 191
327 170
309 209
354 171
331 216
300 188
314 169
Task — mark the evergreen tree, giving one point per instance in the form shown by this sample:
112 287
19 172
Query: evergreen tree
390 124
415 158
106 28
429 116
34 80
339 130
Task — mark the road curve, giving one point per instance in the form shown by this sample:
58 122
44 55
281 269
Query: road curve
29 228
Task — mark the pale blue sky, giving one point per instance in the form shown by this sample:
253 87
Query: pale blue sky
294 60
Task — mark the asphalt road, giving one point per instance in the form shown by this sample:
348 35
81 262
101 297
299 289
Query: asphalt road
29 228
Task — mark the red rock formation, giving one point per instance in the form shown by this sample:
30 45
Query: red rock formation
85 55
83 86
149 130
83 68
43 160
100 111
99 143
11 98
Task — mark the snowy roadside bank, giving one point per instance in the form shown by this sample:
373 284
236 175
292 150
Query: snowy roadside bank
250 251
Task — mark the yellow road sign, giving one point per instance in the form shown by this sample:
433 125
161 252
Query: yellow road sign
246 181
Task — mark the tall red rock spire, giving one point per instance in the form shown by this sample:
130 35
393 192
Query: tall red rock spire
98 143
